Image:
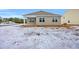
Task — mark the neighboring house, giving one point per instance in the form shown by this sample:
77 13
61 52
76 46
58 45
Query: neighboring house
71 16
42 18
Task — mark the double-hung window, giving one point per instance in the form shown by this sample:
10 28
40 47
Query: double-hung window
54 19
41 19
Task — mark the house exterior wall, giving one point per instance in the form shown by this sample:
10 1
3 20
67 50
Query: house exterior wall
48 20
72 16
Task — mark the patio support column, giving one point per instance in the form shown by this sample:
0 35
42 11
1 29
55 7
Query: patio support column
24 21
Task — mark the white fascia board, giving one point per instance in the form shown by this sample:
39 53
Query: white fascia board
30 16
38 15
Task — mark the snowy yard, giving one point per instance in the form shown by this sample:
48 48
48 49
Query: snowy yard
18 37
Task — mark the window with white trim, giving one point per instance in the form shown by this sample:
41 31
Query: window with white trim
55 19
42 19
68 21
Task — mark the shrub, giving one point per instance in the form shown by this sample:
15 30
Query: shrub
66 25
0 20
16 20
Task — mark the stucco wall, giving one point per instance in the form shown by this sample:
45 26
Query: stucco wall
48 20
72 15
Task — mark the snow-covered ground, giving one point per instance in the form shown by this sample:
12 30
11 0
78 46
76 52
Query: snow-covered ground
18 37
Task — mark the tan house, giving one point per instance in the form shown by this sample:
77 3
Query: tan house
42 18
71 16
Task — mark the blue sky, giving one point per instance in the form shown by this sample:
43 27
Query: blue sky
19 12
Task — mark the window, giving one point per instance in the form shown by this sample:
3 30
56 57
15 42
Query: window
54 19
32 19
68 21
41 20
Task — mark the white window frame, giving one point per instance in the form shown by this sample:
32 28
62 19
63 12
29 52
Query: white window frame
42 19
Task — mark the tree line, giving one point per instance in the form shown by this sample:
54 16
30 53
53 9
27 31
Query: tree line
16 20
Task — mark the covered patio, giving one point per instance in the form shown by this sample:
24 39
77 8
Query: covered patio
30 21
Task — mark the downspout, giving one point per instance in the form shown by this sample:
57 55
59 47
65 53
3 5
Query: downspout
24 21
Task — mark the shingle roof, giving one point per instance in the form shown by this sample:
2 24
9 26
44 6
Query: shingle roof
42 13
